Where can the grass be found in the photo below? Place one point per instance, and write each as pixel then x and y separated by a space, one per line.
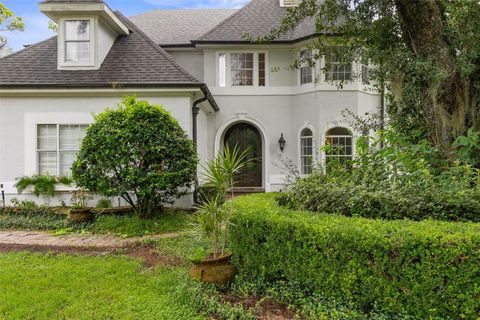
pixel 39 286
pixel 120 225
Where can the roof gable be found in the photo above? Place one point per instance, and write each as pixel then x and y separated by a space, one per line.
pixel 257 19
pixel 133 60
pixel 179 27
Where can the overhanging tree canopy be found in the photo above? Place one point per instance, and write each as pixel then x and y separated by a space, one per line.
pixel 425 52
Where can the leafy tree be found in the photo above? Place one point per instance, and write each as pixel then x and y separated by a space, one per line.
pixel 9 22
pixel 138 152
pixel 426 53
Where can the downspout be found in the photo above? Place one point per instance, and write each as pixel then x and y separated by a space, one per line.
pixel 382 111
pixel 195 111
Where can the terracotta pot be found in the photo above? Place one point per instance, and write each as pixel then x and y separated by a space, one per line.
pixel 214 270
pixel 80 215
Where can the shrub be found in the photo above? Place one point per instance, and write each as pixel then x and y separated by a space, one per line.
pixel 397 181
pixel 137 149
pixel 424 269
pixel 104 204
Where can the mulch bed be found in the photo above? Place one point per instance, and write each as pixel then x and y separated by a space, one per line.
pixel 263 308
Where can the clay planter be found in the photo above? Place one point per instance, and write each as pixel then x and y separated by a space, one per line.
pixel 80 215
pixel 213 270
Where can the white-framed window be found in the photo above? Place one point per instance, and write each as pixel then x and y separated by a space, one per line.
pixel 335 69
pixel 306 70
pixel 365 70
pixel 339 146
pixel 306 151
pixel 57 147
pixel 242 69
pixel 77 40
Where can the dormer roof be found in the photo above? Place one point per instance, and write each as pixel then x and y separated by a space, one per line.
pixel 133 61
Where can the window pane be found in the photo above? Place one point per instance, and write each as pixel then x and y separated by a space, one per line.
pixel 242 69
pixel 77 51
pixel 261 69
pixel 47 163
pixel 47 137
pixel 222 70
pixel 66 161
pixel 71 136
pixel 77 30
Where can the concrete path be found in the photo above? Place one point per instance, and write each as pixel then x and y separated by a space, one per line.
pixel 39 238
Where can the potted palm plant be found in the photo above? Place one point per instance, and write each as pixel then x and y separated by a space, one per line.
pixel 213 215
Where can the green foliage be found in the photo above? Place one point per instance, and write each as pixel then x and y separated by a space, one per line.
pixel 468 147
pixel 137 149
pixel 44 218
pixel 41 184
pixel 426 269
pixel 32 218
pixel 205 300
pixel 9 21
pixel 213 214
pixel 104 204
pixel 23 204
pixel 399 180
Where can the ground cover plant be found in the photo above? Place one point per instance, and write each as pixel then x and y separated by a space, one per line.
pixel 125 225
pixel 422 269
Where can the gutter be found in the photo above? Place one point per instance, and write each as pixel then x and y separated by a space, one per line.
pixel 195 111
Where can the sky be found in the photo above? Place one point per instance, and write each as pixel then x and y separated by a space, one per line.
pixel 36 24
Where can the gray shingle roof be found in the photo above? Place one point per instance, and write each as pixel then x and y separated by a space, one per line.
pixel 257 18
pixel 133 60
pixel 179 27
pixel 70 1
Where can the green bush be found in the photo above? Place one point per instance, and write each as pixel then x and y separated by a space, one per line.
pixel 396 181
pixel 38 218
pixel 426 269
pixel 138 152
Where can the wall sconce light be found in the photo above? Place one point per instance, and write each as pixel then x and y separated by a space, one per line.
pixel 281 143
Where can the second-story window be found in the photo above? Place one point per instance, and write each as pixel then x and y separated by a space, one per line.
pixel 306 70
pixel 241 69
pixel 335 69
pixel 77 41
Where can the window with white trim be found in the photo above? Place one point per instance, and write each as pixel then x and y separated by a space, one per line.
pixel 57 147
pixel 338 146
pixel 335 69
pixel 242 69
pixel 306 69
pixel 77 41
pixel 306 151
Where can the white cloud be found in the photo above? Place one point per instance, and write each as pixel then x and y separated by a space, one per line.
pixel 198 3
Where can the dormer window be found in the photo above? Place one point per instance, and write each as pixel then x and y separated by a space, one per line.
pixel 77 41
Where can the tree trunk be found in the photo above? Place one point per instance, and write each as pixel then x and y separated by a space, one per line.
pixel 448 105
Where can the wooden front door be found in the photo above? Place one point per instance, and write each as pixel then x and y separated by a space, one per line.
pixel 247 138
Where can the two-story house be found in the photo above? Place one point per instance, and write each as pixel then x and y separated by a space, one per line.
pixel 222 88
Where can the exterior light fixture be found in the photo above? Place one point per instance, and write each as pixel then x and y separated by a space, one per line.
pixel 281 143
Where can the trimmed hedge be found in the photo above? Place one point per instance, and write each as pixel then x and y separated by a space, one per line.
pixel 423 269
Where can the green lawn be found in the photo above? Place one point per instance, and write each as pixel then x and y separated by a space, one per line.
pixel 40 286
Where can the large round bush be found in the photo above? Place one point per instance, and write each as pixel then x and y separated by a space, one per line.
pixel 138 152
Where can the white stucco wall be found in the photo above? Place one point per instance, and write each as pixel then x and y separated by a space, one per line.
pixel 20 115
pixel 191 60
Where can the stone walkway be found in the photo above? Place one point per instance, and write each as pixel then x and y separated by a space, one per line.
pixel 45 239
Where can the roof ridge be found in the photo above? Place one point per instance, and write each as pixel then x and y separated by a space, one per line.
pixel 227 19
pixel 158 48
pixel 26 48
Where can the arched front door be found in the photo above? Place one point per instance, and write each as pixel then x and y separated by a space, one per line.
pixel 247 139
